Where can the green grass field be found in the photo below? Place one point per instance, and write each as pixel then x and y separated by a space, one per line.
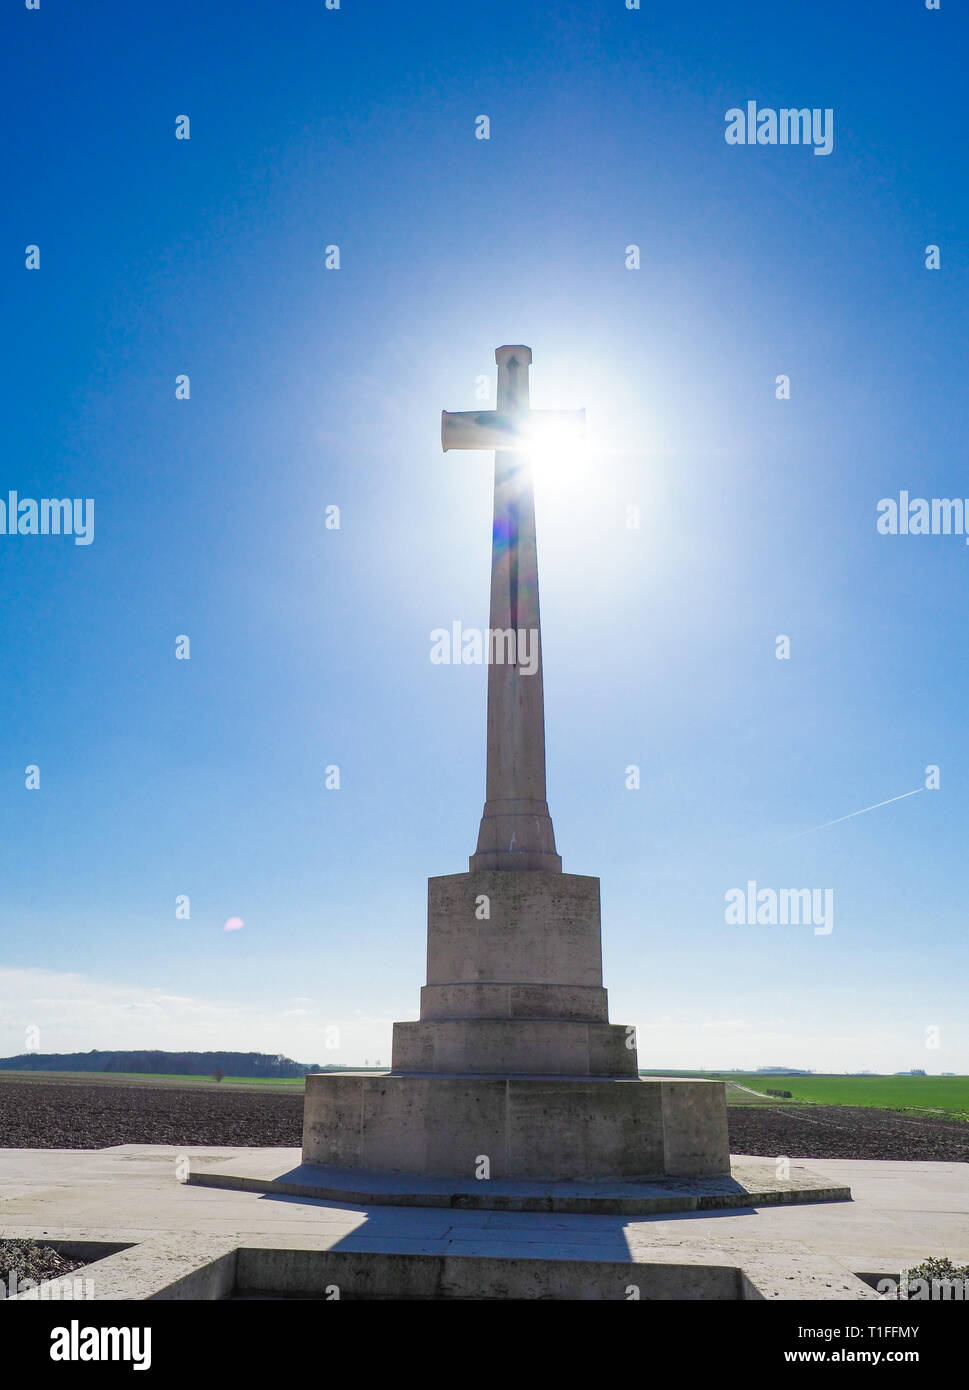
pixel 945 1095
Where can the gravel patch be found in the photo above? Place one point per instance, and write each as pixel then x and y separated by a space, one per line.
pixel 846 1131
pixel 58 1115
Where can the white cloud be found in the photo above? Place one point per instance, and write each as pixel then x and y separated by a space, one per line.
pixel 75 1013
pixel 744 1044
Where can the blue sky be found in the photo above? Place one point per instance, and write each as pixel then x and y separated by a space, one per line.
pixel 311 387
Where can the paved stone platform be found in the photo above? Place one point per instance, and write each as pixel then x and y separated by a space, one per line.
pixel 191 1241
pixel 752 1183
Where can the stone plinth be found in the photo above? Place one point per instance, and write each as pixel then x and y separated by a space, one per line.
pixel 557 1128
pixel 541 928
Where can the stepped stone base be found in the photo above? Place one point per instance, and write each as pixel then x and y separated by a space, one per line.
pixel 542 1127
pixel 513 1059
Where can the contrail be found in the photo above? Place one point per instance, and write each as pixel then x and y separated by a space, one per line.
pixel 850 817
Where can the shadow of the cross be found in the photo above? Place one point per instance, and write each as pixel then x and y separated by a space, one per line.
pixel 408 1216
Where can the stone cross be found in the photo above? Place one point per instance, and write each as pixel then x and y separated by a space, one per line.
pixel 516 828
pixel 513 1058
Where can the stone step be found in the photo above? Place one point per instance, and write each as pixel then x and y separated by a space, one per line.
pixel 492 999
pixel 559 1047
pixel 549 1128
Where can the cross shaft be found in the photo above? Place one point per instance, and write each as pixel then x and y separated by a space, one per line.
pixel 516 828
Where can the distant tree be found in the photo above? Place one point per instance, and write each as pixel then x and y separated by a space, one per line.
pixel 153 1062
pixel 218 1074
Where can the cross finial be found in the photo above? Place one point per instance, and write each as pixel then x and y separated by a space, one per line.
pixel 513 365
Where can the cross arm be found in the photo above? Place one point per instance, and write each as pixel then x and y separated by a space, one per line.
pixel 497 429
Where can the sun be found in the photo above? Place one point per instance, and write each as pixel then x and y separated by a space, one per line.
pixel 558 452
